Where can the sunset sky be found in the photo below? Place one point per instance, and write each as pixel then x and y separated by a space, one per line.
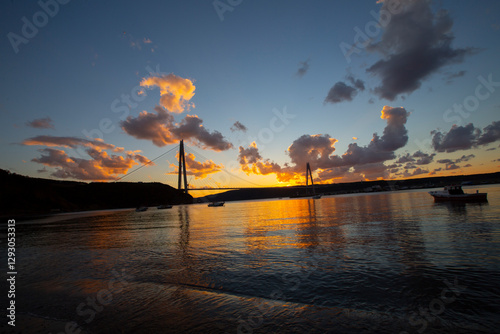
pixel 361 90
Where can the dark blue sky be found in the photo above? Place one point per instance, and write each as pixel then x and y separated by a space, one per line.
pixel 78 77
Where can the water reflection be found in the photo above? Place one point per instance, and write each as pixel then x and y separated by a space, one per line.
pixel 370 254
pixel 183 213
pixel 308 233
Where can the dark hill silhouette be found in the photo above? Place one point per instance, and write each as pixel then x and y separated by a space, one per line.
pixel 23 195
pixel 353 187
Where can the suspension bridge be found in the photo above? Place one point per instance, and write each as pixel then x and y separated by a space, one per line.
pixel 171 168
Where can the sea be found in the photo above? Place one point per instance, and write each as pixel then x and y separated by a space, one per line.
pixel 384 262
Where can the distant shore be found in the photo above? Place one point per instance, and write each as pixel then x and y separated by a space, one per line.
pixel 353 187
pixel 26 198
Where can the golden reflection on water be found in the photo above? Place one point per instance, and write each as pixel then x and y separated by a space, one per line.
pixel 366 252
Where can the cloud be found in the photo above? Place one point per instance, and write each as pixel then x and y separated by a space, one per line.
pixel 395 134
pixel 405 158
pixel 198 169
pixel 417 171
pixel 249 155
pixel 380 148
pixel 252 162
pixel 303 68
pixel 137 43
pixel 465 158
pixel 371 171
pixel 237 126
pixel 423 158
pixel 41 123
pixel 160 128
pixel 458 138
pixel 465 137
pixel 358 162
pixel 491 133
pixel 340 92
pixel 69 142
pixel 191 127
pixel 151 126
pixel 415 44
pixel 175 91
pixel 453 75
pixel 99 166
pixel 419 158
pixel 139 157
pixel 357 83
pixel 335 173
pixel 451 164
pixel 315 149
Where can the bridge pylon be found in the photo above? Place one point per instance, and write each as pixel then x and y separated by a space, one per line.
pixel 182 169
pixel 309 174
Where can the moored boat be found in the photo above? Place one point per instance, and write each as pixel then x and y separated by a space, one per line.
pixel 455 193
pixel 141 208
pixel 164 206
pixel 216 204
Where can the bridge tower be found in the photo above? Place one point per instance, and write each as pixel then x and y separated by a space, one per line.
pixel 182 169
pixel 309 173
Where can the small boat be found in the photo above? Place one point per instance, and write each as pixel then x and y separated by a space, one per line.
pixel 141 208
pixel 455 193
pixel 316 197
pixel 164 206
pixel 216 204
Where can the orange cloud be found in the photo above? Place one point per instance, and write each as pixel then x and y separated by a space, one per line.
pixel 198 169
pixel 251 162
pixel 69 142
pixel 175 91
pixel 101 166
pixel 357 163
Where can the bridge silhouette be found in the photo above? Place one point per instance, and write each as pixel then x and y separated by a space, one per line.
pixel 182 173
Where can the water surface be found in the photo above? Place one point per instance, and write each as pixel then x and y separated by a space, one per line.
pixel 382 262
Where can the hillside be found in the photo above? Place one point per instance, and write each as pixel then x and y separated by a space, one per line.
pixel 26 195
pixel 22 195
pixel 355 187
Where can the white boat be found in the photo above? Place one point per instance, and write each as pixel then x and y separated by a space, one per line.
pixel 216 204
pixel 456 194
